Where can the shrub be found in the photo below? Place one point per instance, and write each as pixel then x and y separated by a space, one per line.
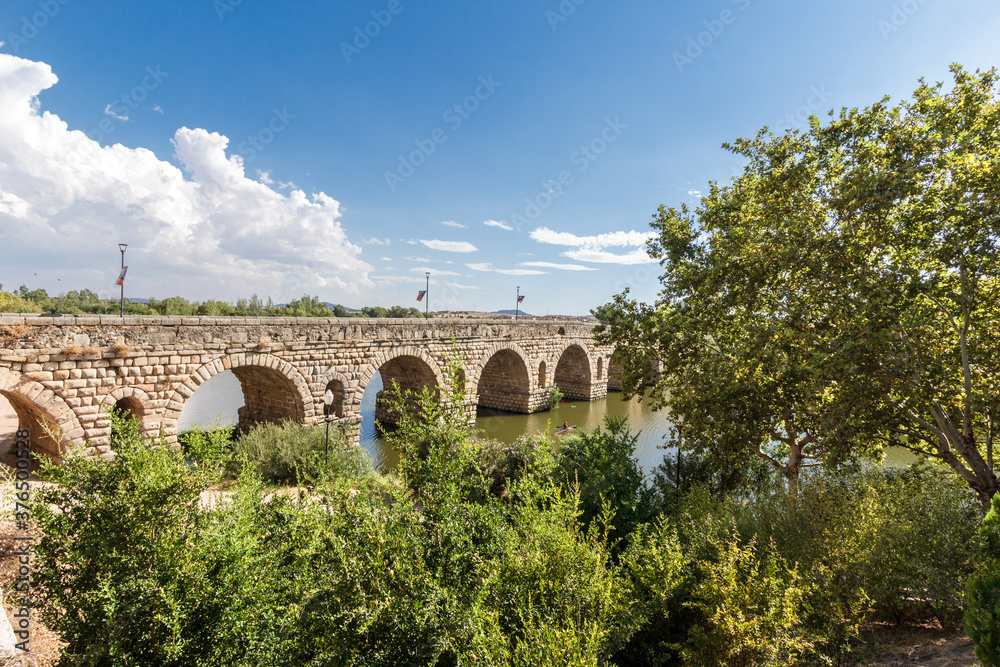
pixel 289 453
pixel 751 606
pixel 502 463
pixel 603 466
pixel 552 401
pixel 982 617
pixel 211 446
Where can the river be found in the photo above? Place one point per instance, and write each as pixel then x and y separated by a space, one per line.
pixel 218 399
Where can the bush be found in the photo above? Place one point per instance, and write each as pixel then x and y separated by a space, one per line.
pixel 603 467
pixel 210 446
pixel 289 453
pixel 552 401
pixel 982 617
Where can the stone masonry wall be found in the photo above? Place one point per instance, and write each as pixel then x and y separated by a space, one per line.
pixel 66 370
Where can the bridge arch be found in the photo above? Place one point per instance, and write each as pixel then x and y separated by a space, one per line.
pixel 50 420
pixel 503 381
pixel 273 390
pixel 573 373
pixel 412 368
pixel 134 403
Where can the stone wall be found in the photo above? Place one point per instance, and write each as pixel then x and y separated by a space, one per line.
pixel 64 371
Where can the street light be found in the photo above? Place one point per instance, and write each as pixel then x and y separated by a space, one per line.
pixel 517 304
pixel 121 279
pixel 327 404
pixel 427 295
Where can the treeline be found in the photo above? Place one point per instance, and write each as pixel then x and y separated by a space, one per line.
pixel 480 552
pixel 86 301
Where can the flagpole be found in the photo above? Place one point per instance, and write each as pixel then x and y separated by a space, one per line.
pixel 427 295
pixel 517 305
pixel 122 246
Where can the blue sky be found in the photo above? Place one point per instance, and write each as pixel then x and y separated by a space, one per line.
pixel 244 146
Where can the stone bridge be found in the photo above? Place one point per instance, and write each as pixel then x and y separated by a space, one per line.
pixel 61 373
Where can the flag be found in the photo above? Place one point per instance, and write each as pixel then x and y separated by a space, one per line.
pixel 520 298
pixel 420 294
pixel 121 276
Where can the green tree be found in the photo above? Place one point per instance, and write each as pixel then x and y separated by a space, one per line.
pixel 841 293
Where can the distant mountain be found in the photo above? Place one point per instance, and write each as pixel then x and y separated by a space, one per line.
pixel 512 312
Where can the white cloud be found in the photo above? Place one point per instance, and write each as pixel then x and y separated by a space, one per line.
pixel 376 241
pixel 564 267
pixel 480 266
pixel 452 223
pixel 461 286
pixel 385 259
pixel 498 223
pixel 694 193
pixel 521 272
pixel 158 110
pixel 449 246
pixel 203 230
pixel 433 272
pixel 603 257
pixel 632 238
pixel 109 112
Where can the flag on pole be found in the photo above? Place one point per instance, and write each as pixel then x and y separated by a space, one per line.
pixel 121 276
pixel 520 298
pixel 420 294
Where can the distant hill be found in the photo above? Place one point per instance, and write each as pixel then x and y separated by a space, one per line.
pixel 512 312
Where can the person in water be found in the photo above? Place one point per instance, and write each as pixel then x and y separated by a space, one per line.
pixel 565 425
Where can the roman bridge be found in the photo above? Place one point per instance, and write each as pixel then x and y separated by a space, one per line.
pixel 61 373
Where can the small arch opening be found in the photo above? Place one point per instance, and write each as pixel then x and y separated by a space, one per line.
pixel 541 375
pixel 335 387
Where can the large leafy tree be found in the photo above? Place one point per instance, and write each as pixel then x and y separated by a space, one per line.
pixel 840 294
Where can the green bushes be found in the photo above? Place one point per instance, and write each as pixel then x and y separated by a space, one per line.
pixel 552 400
pixel 210 446
pixel 285 453
pixel 483 553
pixel 982 618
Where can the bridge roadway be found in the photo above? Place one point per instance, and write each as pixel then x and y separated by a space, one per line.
pixel 61 373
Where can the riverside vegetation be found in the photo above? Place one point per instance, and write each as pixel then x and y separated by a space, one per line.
pixel 478 552
pixel 86 301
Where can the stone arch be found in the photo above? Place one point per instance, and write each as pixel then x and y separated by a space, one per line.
pixel 133 402
pixel 52 424
pixel 615 371
pixel 541 375
pixel 412 368
pixel 504 382
pixel 573 373
pixel 273 390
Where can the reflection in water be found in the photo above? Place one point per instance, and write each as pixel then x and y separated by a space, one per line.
pixel 220 397
pixel 508 427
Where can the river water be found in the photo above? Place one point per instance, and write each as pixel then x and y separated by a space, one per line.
pixel 218 399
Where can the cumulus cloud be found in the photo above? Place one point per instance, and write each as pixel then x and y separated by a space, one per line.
pixel 452 223
pixel 449 246
pixel 563 267
pixel 592 248
pixel 498 223
pixel 203 230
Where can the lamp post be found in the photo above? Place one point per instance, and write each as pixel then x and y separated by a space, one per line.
pixel 427 295
pixel 327 404
pixel 517 303
pixel 121 280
